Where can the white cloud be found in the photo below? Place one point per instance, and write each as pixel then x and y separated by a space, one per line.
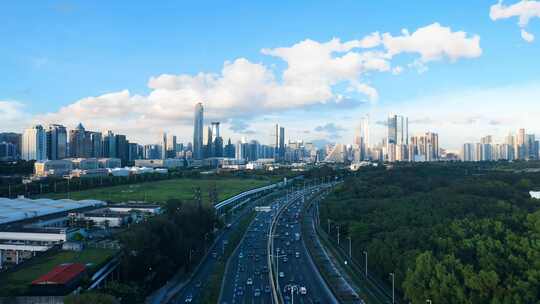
pixel 13 115
pixel 527 36
pixel 243 89
pixel 434 42
pixel 525 10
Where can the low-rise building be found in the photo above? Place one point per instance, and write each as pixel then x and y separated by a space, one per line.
pixel 169 163
pixel 56 168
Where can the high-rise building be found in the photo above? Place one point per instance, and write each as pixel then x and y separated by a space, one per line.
pixel 397 134
pixel 171 146
pixel 361 139
pixel 56 142
pixel 34 144
pixel 122 148
pixel 109 145
pixel 281 143
pixel 468 153
pixel 198 132
pixel 15 139
pixel 164 145
pixel 97 144
pixel 80 143
pixel 8 151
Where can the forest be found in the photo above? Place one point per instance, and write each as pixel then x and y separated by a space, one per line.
pixel 451 233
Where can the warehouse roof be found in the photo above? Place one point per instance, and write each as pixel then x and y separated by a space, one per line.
pixel 12 210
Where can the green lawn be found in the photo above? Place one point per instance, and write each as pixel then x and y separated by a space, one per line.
pixel 17 282
pixel 160 191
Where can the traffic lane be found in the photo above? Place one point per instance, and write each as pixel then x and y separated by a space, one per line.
pixel 236 288
pixel 300 271
pixel 193 289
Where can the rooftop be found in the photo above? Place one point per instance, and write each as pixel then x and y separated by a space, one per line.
pixel 12 210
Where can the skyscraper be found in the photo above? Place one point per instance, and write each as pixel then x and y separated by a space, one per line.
pixel 171 146
pixel 80 142
pixel 109 145
pixel 56 142
pixel 398 135
pixel 97 144
pixel 34 144
pixel 198 132
pixel 361 138
pixel 281 143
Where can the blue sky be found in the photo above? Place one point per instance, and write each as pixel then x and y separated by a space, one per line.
pixel 55 53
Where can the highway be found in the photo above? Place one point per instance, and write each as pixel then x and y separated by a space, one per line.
pixel 298 278
pixel 246 277
pixel 194 288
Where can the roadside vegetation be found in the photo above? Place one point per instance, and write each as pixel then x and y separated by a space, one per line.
pixel 451 233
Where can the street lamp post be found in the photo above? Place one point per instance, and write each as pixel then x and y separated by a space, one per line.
pixel 338 235
pixel 365 254
pixel 393 294
pixel 350 247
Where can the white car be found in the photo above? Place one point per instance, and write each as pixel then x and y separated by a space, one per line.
pixel 249 281
pixel 281 274
pixel 303 290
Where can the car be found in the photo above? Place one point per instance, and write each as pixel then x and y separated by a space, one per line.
pixel 257 292
pixel 281 274
pixel 198 284
pixel 214 254
pixel 189 299
pixel 303 290
pixel 241 255
pixel 240 291
pixel 285 260
pixel 242 269
pixel 249 281
pixel 257 271
pixel 267 289
pixel 297 254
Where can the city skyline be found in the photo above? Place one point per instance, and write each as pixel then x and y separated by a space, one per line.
pixel 318 81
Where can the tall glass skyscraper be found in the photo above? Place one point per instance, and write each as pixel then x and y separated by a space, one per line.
pixel 34 144
pixel 198 132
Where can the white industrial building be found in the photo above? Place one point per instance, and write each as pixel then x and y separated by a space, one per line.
pixel 28 226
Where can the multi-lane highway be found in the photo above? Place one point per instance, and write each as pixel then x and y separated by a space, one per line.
pixel 297 277
pixel 246 275
pixel 193 290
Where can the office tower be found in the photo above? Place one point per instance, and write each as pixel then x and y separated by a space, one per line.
pixel 276 146
pixel 520 149
pixel 478 152
pixel 34 144
pixel 361 139
pixel 198 132
pixel 229 150
pixel 468 153
pixel 109 145
pixel 8 151
pixel 530 147
pixel 122 148
pixel 397 134
pixel 209 150
pixel 281 143
pixel 152 152
pixel 163 145
pixel 80 142
pixel 97 144
pixel 13 138
pixel 217 141
pixel 133 151
pixel 56 142
pixel 171 146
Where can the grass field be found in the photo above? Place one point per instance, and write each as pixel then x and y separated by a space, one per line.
pixel 17 282
pixel 160 191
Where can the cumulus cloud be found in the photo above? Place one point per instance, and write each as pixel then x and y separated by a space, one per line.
pixel 434 42
pixel 316 73
pixel 525 10
pixel 13 115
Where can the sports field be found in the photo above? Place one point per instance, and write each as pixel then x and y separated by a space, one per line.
pixel 17 282
pixel 161 191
